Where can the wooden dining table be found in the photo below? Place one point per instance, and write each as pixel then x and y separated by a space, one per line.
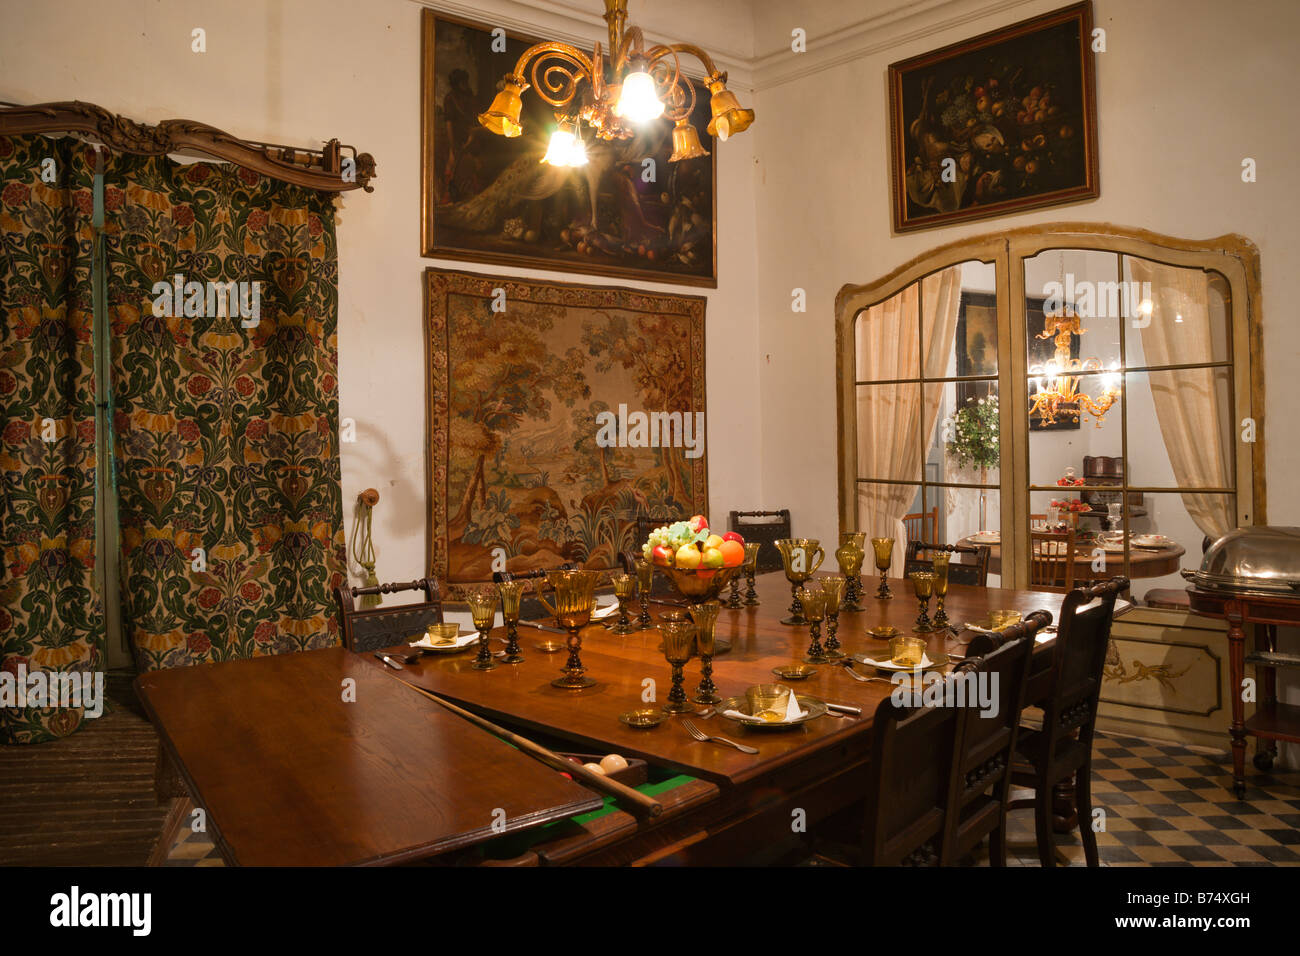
pixel 720 805
pixel 1143 562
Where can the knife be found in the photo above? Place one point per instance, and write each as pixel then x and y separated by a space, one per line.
pixel 843 709
pixel 389 661
pixel 543 627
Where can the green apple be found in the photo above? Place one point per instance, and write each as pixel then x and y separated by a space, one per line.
pixel 688 557
pixel 712 541
pixel 712 558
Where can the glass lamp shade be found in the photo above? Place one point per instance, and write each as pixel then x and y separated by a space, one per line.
pixel 686 142
pixel 502 117
pixel 728 117
pixel 565 149
pixel 638 102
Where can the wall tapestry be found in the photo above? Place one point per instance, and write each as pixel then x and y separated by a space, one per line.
pixel 542 438
pixel 487 198
pixel 1000 123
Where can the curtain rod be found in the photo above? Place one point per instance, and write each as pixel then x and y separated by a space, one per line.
pixel 328 169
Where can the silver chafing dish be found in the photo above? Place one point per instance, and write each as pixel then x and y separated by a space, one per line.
pixel 1259 560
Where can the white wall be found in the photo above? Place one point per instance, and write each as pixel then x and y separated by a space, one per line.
pixel 301 71
pixel 1186 89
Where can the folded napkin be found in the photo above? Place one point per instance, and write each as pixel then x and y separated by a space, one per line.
pixel 792 712
pixel 461 641
pixel 889 664
pixel 604 611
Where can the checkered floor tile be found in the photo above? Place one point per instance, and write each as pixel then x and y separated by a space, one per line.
pixel 1164 806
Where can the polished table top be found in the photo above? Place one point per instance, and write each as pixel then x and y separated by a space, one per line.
pixel 289 773
pixel 1143 562
pixel 521 694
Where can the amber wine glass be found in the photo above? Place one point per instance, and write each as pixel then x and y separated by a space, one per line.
pixel 706 619
pixel 511 593
pixel 884 548
pixel 679 641
pixel 624 588
pixel 645 573
pixel 751 569
pixel 941 562
pixel 813 599
pixel 923 584
pixel 483 609
pixel 574 599
pixel 833 587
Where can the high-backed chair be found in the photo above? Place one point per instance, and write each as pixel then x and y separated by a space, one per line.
pixel 975 572
pixel 922 525
pixel 764 528
pixel 907 797
pixel 1063 748
pixel 987 729
pixel 1051 561
pixel 373 628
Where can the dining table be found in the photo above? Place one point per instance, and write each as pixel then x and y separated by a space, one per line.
pixel 1143 562
pixel 246 756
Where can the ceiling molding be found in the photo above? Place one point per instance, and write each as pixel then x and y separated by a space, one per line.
pixel 903 24
pixel 582 23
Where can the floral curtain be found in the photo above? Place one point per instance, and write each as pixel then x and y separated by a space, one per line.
pixel 226 424
pixel 50 613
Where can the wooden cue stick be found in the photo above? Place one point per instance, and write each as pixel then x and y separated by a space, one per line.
pixel 597 780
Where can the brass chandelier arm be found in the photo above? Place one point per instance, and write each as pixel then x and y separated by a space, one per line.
pixel 662 50
pixel 553 49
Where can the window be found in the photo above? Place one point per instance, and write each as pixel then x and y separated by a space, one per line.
pixel 1096 379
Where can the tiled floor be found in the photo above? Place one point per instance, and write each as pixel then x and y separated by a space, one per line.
pixel 1164 806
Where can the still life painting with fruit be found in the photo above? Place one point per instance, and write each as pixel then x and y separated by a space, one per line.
pixel 1002 122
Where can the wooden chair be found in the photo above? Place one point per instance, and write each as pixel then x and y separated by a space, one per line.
pixel 975 572
pixel 1051 561
pixel 373 628
pixel 923 525
pixel 986 739
pixel 1063 748
pixel 763 527
pixel 907 797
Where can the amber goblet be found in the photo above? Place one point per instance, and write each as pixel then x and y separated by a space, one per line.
pixel 482 603
pixel 624 588
pixel 574 599
pixel 797 560
pixel 850 561
pixel 705 617
pixel 833 587
pixel 941 562
pixel 923 584
pixel 884 548
pixel 751 569
pixel 679 641
pixel 813 599
pixel 511 591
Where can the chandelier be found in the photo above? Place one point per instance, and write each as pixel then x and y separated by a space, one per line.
pixel 1057 397
pixel 637 85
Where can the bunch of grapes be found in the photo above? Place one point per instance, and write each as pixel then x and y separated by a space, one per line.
pixel 671 536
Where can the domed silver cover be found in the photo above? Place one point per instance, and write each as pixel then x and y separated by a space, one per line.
pixel 1264 560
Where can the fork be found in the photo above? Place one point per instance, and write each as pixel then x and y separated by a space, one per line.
pixel 848 669
pixel 701 736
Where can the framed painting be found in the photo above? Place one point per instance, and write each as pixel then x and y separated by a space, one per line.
pixel 997 124
pixel 628 212
pixel 558 414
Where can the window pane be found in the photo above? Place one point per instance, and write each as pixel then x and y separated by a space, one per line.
pixel 1059 442
pixel 1074 304
pixel 1186 321
pixel 965 444
pixel 959 334
pixel 881 508
pixel 1172 522
pixel 889 432
pixel 887 339
pixel 1180 428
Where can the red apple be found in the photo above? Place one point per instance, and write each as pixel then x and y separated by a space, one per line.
pixel 732 536
pixel 698 523
pixel 661 556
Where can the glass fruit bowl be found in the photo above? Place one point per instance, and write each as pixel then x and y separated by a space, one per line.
pixel 698 585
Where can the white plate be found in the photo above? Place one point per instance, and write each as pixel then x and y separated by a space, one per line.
pixel 462 641
pixel 888 665
pixel 986 537
pixel 1151 541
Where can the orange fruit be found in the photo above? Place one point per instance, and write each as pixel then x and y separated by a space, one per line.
pixel 733 553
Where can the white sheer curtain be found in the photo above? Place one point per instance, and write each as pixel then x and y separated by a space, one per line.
pixel 896 422
pixel 1189 405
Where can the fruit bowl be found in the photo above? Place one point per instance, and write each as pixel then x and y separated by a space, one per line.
pixel 698 585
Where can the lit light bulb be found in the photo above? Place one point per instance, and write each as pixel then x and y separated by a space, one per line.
pixel 638 101
pixel 561 149
pixel 578 152
pixel 1178 318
